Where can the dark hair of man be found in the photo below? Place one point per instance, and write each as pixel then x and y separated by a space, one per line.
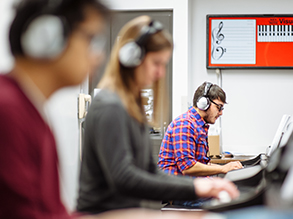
pixel 215 93
pixel 71 10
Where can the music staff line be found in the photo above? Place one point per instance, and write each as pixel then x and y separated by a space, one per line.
pixel 230 38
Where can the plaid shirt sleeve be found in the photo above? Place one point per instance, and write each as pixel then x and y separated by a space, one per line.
pixel 184 145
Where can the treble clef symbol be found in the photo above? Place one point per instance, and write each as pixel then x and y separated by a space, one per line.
pixel 218 37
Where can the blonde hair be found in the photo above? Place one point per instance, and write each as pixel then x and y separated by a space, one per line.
pixel 120 79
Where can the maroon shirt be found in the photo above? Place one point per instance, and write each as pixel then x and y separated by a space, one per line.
pixel 29 181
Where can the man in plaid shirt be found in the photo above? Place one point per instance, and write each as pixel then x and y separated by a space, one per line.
pixel 185 145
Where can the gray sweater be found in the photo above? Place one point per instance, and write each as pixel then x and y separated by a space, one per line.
pixel 117 169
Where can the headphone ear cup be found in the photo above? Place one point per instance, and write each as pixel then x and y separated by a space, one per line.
pixel 131 54
pixel 203 103
pixel 44 38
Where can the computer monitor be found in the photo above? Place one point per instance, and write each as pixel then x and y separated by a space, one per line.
pixel 285 121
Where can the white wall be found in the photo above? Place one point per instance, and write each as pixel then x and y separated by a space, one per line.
pixel 257 98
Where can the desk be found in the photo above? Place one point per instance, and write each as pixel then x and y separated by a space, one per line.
pixel 225 160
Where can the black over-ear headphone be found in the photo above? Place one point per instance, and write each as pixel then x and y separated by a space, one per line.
pixel 203 102
pixel 132 53
pixel 44 35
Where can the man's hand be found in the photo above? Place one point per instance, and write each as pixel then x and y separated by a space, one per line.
pixel 231 166
pixel 211 187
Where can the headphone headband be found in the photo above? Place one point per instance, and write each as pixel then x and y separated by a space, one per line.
pixel 146 31
pixel 207 89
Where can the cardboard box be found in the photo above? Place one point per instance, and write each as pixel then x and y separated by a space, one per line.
pixel 214 145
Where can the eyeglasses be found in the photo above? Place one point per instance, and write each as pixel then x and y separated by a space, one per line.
pixel 97 42
pixel 220 107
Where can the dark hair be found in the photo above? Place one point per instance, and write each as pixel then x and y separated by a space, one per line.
pixel 215 92
pixel 71 10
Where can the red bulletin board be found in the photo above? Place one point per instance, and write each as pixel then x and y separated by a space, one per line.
pixel 249 41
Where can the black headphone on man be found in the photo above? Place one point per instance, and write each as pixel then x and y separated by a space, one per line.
pixel 203 102
pixel 45 34
pixel 132 53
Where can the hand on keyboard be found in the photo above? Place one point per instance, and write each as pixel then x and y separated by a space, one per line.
pixel 212 187
pixel 231 166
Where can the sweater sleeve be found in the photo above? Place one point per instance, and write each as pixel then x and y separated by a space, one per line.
pixel 114 151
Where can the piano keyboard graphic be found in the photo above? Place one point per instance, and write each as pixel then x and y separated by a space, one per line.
pixel 275 33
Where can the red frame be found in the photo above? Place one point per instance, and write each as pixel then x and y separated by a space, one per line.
pixel 268 54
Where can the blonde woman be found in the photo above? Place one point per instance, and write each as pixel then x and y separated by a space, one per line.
pixel 117 169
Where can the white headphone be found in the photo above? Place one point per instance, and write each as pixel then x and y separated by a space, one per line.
pixel 44 35
pixel 203 102
pixel 132 53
